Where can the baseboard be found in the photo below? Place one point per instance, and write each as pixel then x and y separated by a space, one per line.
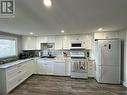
pixel 125 84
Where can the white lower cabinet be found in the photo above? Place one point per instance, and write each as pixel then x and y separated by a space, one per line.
pixel 45 67
pixel 91 68
pixel 59 68
pixel 11 77
pixel 68 67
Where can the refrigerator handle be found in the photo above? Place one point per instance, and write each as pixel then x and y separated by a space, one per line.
pixel 109 46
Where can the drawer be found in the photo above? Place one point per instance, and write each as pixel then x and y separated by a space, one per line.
pixel 12 83
pixel 11 71
pixel 90 65
pixel 13 74
pixel 90 69
pixel 15 70
pixel 22 66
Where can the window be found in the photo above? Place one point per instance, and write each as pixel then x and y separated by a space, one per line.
pixel 7 48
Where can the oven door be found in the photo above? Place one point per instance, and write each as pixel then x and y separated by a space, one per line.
pixel 79 66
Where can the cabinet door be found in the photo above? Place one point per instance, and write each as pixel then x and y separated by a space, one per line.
pixel 49 68
pixel 91 69
pixel 76 38
pixel 45 67
pixel 68 67
pixel 44 39
pixel 66 42
pixel 32 66
pixel 51 39
pixel 29 43
pixel 59 68
pixel 58 42
pixel 41 67
pixel 38 43
pixel 87 41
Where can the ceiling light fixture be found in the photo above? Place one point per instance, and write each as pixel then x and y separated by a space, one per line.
pixel 62 31
pixel 31 33
pixel 100 29
pixel 47 3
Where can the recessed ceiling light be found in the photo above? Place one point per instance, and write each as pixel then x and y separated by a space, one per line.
pixel 100 29
pixel 47 3
pixel 62 31
pixel 31 33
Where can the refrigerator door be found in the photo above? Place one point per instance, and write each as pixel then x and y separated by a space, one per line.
pixel 110 74
pixel 109 54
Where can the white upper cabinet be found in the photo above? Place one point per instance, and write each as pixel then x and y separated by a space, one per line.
pixel 58 42
pixel 38 43
pixel 51 39
pixel 106 35
pixel 87 41
pixel 45 39
pixel 61 42
pixel 76 38
pixel 66 42
pixel 28 43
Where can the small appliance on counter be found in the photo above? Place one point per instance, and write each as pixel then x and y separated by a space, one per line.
pixel 23 55
pixel 26 54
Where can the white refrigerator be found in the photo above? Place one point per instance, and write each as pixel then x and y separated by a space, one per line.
pixel 108 61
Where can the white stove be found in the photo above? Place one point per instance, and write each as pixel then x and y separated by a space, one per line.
pixel 79 65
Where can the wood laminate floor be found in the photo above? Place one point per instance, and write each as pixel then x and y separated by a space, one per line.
pixel 51 85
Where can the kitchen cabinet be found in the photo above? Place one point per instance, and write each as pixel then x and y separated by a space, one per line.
pixel 14 75
pixel 44 39
pixel 53 67
pixel 58 42
pixel 62 42
pixel 76 37
pixel 66 42
pixel 91 68
pixel 45 67
pixel 87 41
pixel 106 35
pixel 51 39
pixel 28 43
pixel 59 68
pixel 68 67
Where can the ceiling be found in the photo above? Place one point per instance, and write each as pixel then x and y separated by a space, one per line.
pixel 73 16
